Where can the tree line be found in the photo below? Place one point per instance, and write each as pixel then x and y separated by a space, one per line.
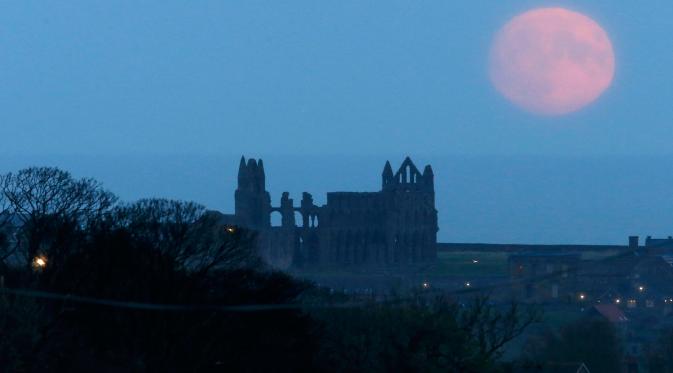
pixel 72 237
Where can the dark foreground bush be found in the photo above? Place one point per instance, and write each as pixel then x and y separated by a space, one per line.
pixel 149 286
pixel 74 336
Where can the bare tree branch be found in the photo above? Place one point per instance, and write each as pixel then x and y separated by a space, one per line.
pixel 35 198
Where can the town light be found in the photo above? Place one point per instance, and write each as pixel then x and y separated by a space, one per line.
pixel 641 288
pixel 582 296
pixel 231 229
pixel 467 284
pixel 475 261
pixel 426 285
pixel 39 262
pixel 618 301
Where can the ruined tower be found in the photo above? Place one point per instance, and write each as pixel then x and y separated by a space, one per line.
pixel 252 201
pixel 411 218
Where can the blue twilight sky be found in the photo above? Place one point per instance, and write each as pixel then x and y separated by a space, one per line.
pixel 85 80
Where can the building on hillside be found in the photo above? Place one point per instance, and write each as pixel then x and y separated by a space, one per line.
pixel 544 276
pixel 659 242
pixel 609 312
pixel 636 278
pixel 394 227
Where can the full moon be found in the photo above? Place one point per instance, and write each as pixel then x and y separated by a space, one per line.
pixel 552 61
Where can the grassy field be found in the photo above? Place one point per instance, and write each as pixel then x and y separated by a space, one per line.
pixel 598 255
pixel 489 263
pixel 463 263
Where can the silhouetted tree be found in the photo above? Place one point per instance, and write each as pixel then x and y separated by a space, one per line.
pixel 122 262
pixel 163 222
pixel 592 341
pixel 6 228
pixel 437 336
pixel 195 238
pixel 40 201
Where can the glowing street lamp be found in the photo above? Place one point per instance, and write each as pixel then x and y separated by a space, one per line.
pixel 39 262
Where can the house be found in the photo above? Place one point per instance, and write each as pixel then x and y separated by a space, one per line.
pixel 544 276
pixel 609 312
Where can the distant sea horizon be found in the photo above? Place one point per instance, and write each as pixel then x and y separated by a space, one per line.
pixel 525 199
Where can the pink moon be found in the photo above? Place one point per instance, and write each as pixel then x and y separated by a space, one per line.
pixel 552 61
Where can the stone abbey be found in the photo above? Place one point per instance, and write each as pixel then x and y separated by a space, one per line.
pixel 395 227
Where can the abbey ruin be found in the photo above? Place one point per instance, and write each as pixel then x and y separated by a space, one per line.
pixel 394 227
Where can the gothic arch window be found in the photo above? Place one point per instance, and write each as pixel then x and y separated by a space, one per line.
pixel 276 218
pixel 314 220
pixel 298 219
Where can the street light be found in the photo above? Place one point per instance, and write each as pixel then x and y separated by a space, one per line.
pixel 39 262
